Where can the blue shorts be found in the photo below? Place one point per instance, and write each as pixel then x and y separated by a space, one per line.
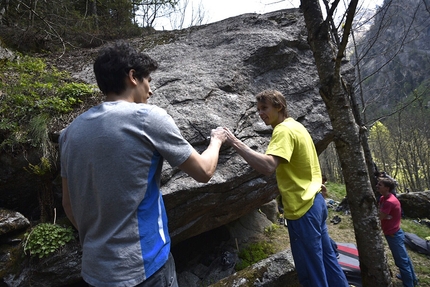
pixel 164 277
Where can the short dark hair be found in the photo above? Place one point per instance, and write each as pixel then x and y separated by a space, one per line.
pixel 115 61
pixel 275 98
pixel 388 182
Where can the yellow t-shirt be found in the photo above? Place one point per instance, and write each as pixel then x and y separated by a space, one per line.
pixel 299 174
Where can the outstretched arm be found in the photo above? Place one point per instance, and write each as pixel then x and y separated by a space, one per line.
pixel 263 163
pixel 201 167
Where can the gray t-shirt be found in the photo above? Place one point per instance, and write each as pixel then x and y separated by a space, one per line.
pixel 112 157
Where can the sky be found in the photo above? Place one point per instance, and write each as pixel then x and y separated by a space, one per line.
pixel 216 10
pixel 222 9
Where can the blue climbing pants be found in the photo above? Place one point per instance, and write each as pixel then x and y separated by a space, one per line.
pixel 314 258
pixel 396 242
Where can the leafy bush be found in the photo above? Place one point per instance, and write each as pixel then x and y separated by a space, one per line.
pixel 30 89
pixel 271 229
pixel 46 238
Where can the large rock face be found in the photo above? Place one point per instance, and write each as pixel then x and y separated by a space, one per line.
pixel 208 77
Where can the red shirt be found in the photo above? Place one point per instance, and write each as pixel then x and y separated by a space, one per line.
pixel 390 205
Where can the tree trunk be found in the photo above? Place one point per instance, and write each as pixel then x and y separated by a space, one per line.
pixel 361 199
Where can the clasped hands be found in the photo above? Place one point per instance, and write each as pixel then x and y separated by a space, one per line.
pixel 224 135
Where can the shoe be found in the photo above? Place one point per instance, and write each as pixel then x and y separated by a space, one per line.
pixel 398 276
pixel 336 220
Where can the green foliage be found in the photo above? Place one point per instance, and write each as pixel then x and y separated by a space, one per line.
pixel 402 147
pixel 380 142
pixel 39 26
pixel 33 93
pixel 253 253
pixel 46 238
pixel 379 130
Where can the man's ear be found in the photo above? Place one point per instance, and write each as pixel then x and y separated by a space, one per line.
pixel 131 77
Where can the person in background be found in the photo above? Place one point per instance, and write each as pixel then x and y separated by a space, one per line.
pixel 390 215
pixel 291 154
pixel 111 162
pixel 384 174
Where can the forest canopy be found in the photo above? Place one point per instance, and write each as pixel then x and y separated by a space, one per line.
pixel 29 25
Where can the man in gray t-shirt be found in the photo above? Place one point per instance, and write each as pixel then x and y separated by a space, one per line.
pixel 111 160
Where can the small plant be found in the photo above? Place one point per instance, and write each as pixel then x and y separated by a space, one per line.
pixel 46 238
pixel 254 253
pixel 270 230
pixel 39 169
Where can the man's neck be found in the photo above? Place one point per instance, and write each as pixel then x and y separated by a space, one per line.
pixel 122 97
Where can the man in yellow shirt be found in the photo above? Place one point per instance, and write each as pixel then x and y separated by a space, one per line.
pixel 291 153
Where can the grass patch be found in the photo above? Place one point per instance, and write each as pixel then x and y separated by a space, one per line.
pixel 253 253
pixel 336 191
pixel 413 226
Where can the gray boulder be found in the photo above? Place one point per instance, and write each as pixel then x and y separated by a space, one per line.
pixel 4 52
pixel 277 270
pixel 12 226
pixel 63 268
pixel 11 222
pixel 415 204
pixel 208 77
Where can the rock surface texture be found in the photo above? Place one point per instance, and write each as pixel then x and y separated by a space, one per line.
pixel 277 270
pixel 415 204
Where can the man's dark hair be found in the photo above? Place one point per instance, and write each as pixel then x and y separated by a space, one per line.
pixel 115 61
